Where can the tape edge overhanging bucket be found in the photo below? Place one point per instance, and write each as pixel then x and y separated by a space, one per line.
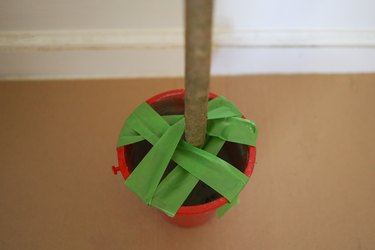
pixel 196 209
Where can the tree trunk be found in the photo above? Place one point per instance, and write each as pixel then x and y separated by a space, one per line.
pixel 198 23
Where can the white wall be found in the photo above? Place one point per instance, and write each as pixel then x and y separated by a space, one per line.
pixel 113 38
pixel 297 14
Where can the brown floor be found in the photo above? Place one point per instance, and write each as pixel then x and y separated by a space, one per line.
pixel 313 186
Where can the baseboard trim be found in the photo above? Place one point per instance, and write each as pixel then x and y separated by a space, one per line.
pixel 173 38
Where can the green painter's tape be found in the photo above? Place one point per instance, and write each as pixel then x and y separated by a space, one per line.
pixel 233 129
pixel 225 208
pixel 215 172
pixel 176 187
pixel 146 177
pixel 194 164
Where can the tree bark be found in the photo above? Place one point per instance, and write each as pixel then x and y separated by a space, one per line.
pixel 198 23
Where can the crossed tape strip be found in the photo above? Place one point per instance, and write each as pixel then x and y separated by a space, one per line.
pixel 193 164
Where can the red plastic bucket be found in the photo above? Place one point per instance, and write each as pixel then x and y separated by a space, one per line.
pixel 186 216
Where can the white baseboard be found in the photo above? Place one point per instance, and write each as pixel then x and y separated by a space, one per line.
pixel 173 38
pixel 159 53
